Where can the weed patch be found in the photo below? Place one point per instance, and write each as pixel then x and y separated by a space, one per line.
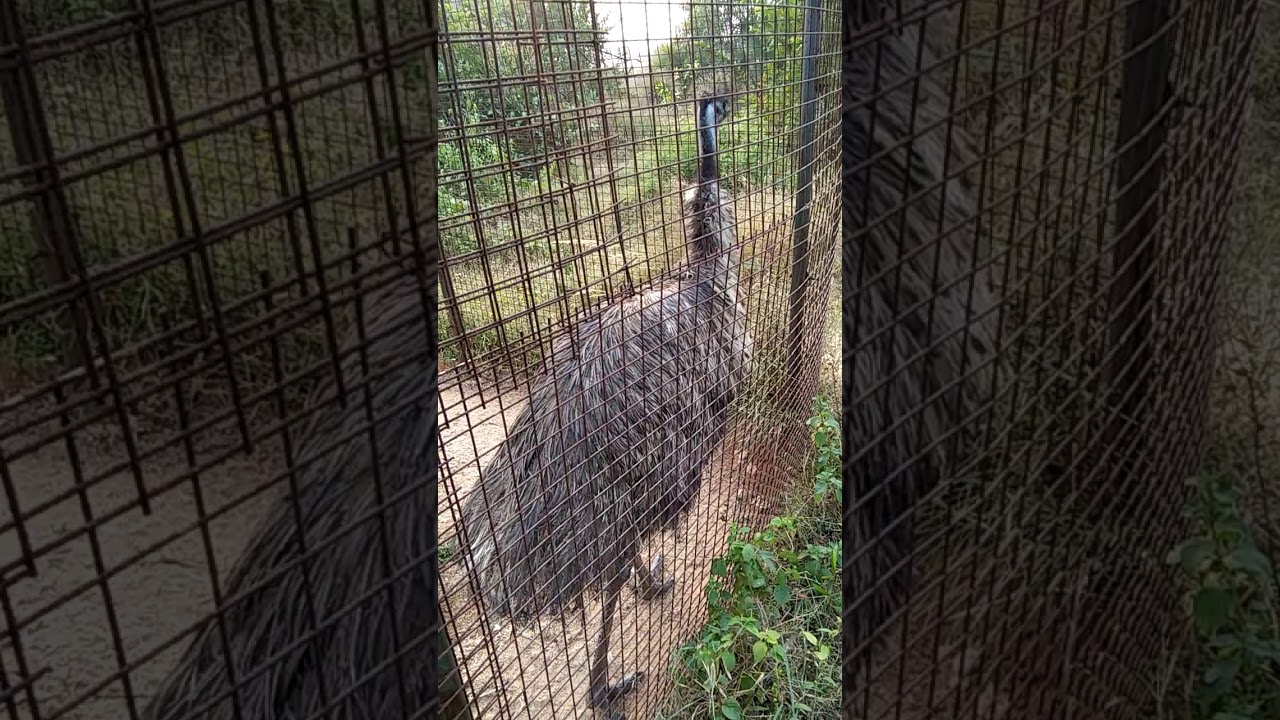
pixel 1232 609
pixel 771 646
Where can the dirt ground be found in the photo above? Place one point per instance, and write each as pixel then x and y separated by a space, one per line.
pixel 159 579
pixel 65 629
pixel 541 671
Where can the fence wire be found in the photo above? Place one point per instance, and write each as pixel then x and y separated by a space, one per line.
pixel 594 409
pixel 1035 214
pixel 217 326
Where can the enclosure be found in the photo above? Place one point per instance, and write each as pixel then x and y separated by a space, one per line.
pixel 567 139
pixel 1097 144
pixel 204 206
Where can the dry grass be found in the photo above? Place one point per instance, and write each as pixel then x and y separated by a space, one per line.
pixel 509 310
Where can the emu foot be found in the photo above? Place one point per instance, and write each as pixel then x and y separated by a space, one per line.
pixel 648 582
pixel 604 699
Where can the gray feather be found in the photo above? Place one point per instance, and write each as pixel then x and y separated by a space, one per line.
pixel 918 328
pixel 618 427
pixel 339 506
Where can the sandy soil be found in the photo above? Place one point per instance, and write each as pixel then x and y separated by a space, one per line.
pixel 541 671
pixel 159 578
pixel 64 618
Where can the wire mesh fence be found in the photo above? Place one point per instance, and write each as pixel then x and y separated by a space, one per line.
pixel 217 327
pixel 638 227
pixel 1035 214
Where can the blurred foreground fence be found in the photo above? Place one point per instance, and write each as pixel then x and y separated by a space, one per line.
pixel 1012 563
pixel 197 203
pixel 567 139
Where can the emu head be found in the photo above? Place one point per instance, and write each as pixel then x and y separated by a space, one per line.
pixel 712 110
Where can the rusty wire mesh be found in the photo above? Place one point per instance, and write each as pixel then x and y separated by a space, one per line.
pixel 200 206
pixel 1023 575
pixel 567 139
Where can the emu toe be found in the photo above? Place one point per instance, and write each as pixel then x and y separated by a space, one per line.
pixel 606 700
pixel 648 583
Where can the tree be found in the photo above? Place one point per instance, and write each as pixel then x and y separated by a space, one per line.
pixel 753 47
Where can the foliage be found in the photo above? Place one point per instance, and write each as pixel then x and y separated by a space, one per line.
pixel 296 18
pixel 771 646
pixel 497 133
pixel 748 46
pixel 119 207
pixel 753 49
pixel 826 443
pixel 509 139
pixel 565 45
pixel 1231 600
pixel 532 179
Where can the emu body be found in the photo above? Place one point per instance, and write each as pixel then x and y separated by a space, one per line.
pixel 917 320
pixel 302 635
pixel 617 430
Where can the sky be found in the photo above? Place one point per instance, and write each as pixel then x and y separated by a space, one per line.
pixel 630 22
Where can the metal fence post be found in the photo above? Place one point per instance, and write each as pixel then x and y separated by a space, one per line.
pixel 1140 141
pixel 804 189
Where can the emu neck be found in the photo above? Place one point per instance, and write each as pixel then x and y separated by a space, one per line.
pixel 720 270
pixel 708 166
pixel 713 250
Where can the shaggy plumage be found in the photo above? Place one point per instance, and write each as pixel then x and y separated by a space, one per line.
pixel 917 327
pixel 278 677
pixel 616 432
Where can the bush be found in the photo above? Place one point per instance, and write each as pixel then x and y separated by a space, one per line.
pixel 771 646
pixel 1233 613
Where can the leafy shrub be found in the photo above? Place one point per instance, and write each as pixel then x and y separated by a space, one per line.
pixel 771 646
pixel 1231 600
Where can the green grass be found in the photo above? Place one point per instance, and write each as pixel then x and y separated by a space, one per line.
pixel 123 213
pixel 771 645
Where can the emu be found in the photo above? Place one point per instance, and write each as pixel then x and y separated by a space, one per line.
pixel 296 636
pixel 917 314
pixel 617 429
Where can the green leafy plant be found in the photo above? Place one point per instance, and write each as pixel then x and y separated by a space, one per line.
pixel 1231 600
pixel 826 442
pixel 771 646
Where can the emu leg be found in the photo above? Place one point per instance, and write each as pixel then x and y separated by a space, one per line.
pixel 603 695
pixel 648 582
